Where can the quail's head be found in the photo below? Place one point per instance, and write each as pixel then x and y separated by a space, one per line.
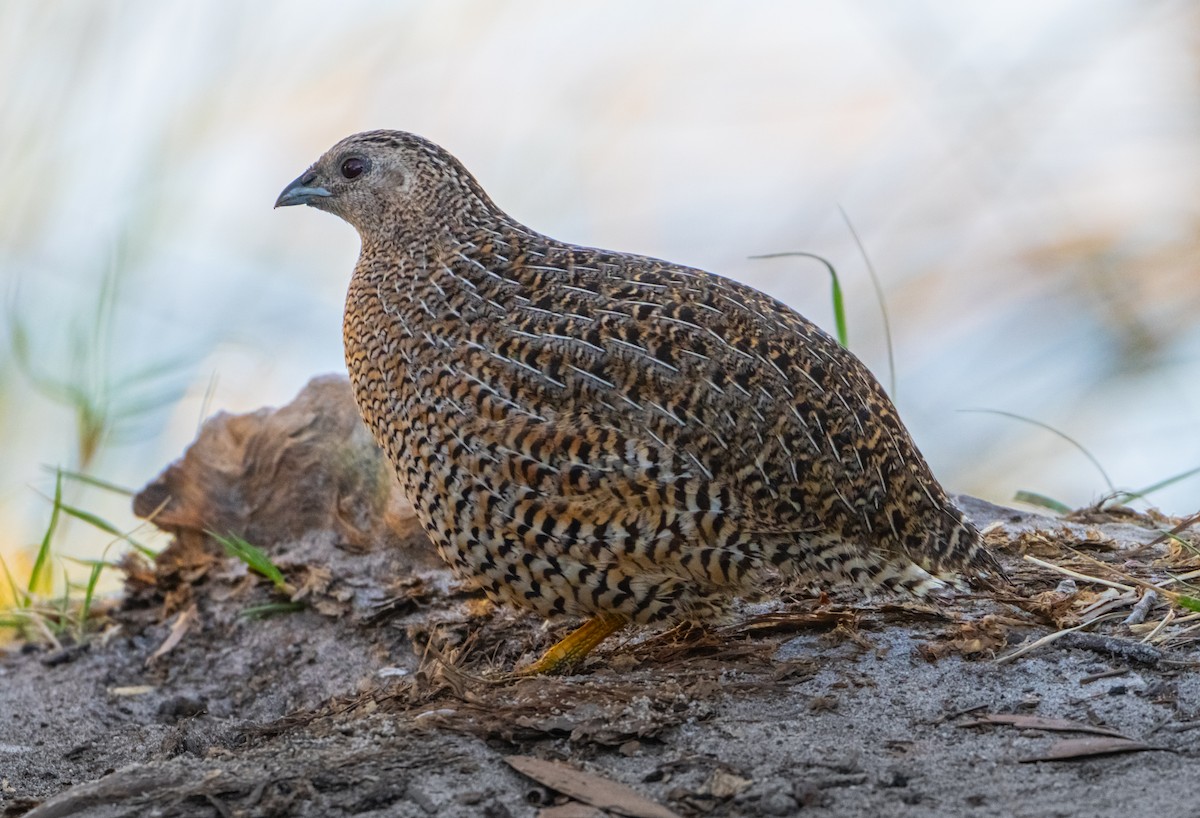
pixel 388 181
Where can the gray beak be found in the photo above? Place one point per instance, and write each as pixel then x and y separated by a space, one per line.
pixel 302 191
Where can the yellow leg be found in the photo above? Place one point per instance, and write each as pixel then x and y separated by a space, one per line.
pixel 570 650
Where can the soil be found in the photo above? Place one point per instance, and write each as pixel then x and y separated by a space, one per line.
pixel 367 682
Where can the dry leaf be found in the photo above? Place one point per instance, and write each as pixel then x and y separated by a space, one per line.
pixel 1040 723
pixel 985 636
pixel 1073 748
pixel 726 785
pixel 182 623
pixel 602 793
pixel 330 608
pixel 317 579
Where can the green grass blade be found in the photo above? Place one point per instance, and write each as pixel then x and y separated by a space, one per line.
pixel 254 557
pixel 90 563
pixel 40 564
pixel 23 355
pixel 1189 602
pixel 17 595
pixel 1111 488
pixel 146 551
pixel 1161 484
pixel 839 310
pixel 92 520
pixel 839 303
pixel 1032 498
pixel 64 602
pixel 89 593
pixel 887 321
pixel 132 409
pixel 105 526
pixel 153 372
pixel 80 477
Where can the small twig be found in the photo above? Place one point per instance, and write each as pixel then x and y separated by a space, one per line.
pixel 1048 638
pixel 455 677
pixel 1132 652
pixel 1178 620
pixel 182 623
pixel 1104 674
pixel 1060 569
pixel 1142 608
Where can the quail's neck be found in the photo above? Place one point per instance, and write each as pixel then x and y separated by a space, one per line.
pixel 459 271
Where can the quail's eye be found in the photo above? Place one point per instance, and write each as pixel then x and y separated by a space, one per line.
pixel 353 167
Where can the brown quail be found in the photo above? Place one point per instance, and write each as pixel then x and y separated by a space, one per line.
pixel 612 436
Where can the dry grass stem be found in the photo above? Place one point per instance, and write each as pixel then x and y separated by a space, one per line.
pixel 1166 620
pixel 1076 574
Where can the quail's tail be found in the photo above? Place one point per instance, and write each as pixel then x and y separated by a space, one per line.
pixel 954 549
pixel 943 550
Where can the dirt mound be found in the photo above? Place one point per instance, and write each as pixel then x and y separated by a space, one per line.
pixel 365 681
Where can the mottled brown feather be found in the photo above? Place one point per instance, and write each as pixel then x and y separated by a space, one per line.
pixel 585 431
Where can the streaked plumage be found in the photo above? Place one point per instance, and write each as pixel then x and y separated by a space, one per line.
pixel 589 432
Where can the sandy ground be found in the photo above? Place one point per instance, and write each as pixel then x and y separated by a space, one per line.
pixel 183 704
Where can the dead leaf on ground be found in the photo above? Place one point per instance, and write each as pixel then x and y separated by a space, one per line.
pixel 1040 723
pixel 182 623
pixel 796 670
pixel 599 792
pixel 317 579
pixel 1073 748
pixel 1054 606
pixel 986 636
pixel 847 631
pixel 724 784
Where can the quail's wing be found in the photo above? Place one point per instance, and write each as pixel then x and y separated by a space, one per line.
pixel 687 388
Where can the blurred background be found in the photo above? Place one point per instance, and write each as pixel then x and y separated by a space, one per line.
pixel 1023 176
